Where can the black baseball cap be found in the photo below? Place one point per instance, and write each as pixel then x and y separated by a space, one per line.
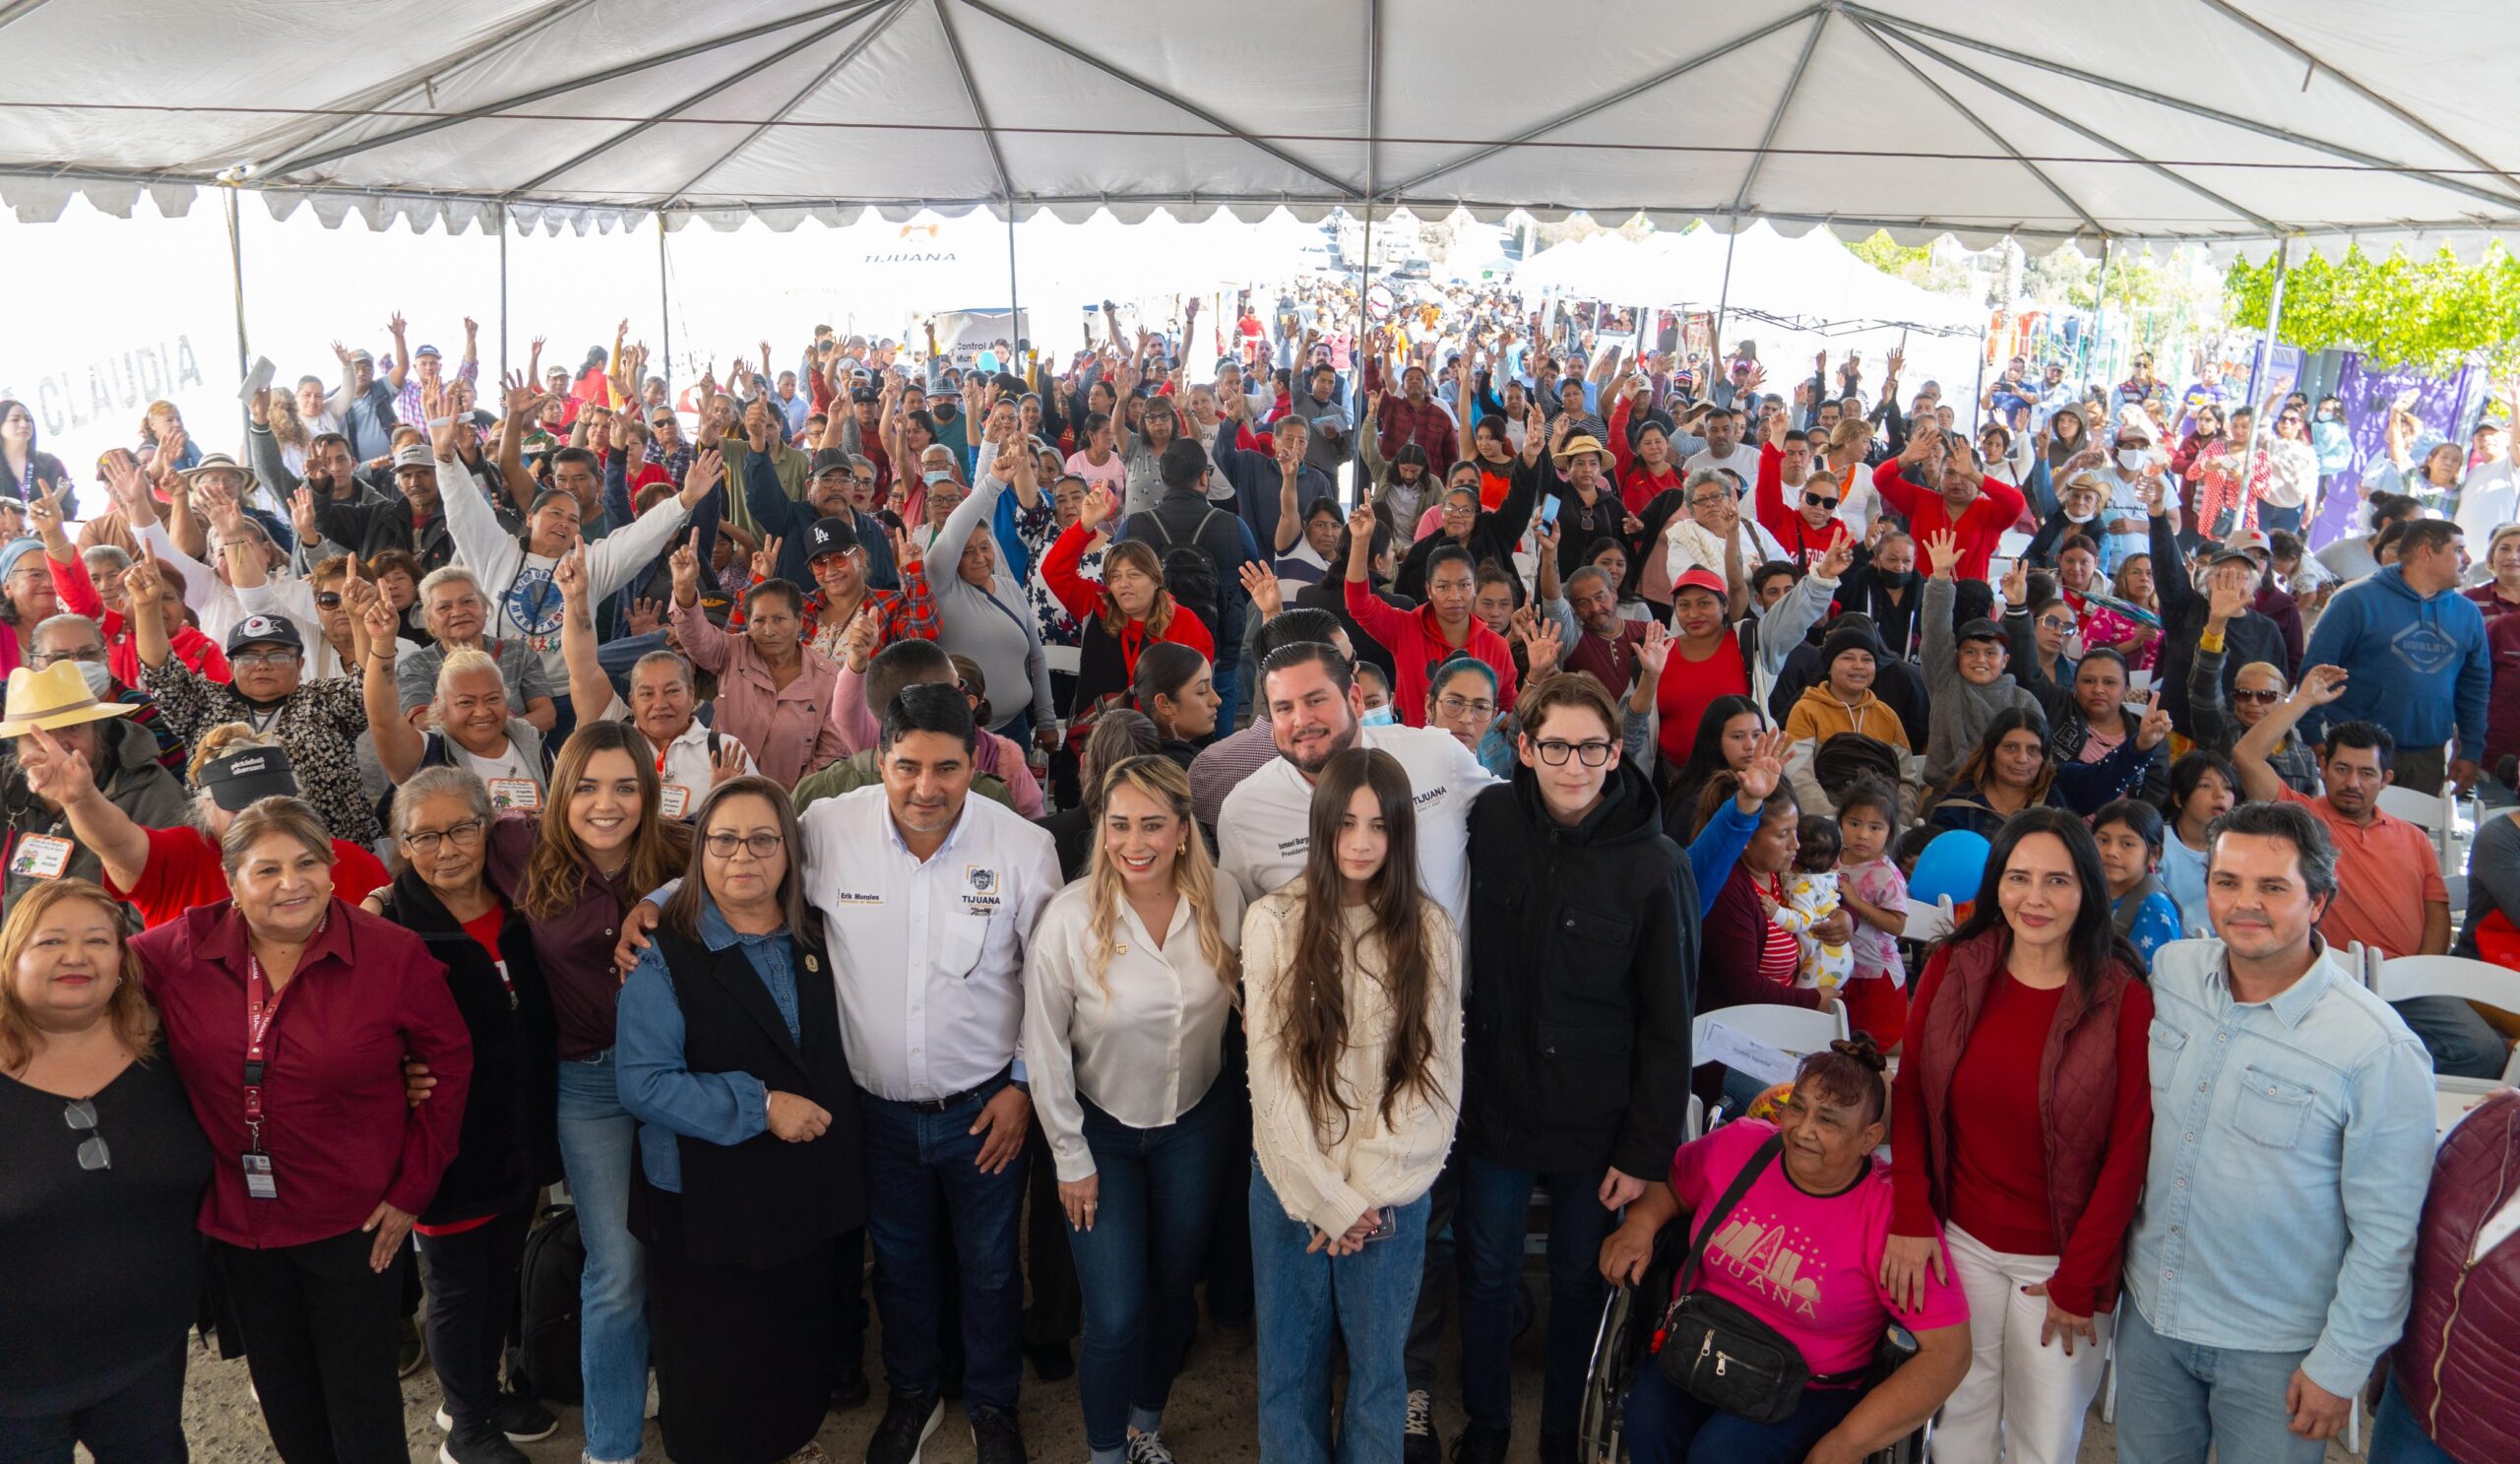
pixel 832 535
pixel 832 460
pixel 1979 629
pixel 243 777
pixel 273 630
pixel 865 393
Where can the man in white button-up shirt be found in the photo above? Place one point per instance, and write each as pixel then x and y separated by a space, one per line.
pixel 929 896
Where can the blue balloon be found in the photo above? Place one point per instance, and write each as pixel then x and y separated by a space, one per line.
pixel 1953 865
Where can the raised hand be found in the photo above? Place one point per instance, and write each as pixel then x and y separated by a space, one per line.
pixel 906 551
pixel 383 625
pixel 685 566
pixel 1840 555
pixel 141 582
pixel 1655 651
pixel 1543 647
pixel 569 577
pixel 765 560
pixel 395 325
pixel 2225 602
pixel 57 774
pixel 518 394
pixel 2321 684
pixel 729 762
pixel 646 616
pixel 1766 767
pixel 857 638
pixel 1262 587
pixel 2156 727
pixel 2017 583
pixel 1942 547
pixel 301 516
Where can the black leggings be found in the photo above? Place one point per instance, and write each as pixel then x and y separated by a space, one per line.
pixel 472 1285
pixel 141 1423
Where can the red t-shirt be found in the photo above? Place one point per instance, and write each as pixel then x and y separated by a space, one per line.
pixel 1998 1149
pixel 484 929
pixel 183 873
pixel 1688 687
pixel 1981 526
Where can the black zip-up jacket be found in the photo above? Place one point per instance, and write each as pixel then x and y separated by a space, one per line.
pixel 2250 637
pixel 1582 978
pixel 510 1144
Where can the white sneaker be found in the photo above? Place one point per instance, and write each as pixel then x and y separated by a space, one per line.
pixel 1148 1449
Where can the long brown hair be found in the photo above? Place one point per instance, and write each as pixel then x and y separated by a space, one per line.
pixel 1139 556
pixel 134 1019
pixel 1194 872
pixel 681 914
pixel 1315 1014
pixel 555 877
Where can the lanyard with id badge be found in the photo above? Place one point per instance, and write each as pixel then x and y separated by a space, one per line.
pixel 262 1006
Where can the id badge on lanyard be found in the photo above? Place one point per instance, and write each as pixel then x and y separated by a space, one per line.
pixel 262 1005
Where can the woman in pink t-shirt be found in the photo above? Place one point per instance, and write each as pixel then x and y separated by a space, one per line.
pixel 1802 1253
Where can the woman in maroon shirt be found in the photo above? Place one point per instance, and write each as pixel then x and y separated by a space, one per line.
pixel 287 1013
pixel 2020 1123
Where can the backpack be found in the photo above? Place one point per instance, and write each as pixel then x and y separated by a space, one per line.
pixel 545 1365
pixel 1190 574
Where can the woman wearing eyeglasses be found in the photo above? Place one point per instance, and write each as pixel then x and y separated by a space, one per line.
pixel 99 1257
pixel 750 1164
pixel 473 1234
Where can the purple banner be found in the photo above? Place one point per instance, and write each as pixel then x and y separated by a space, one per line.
pixel 2440 403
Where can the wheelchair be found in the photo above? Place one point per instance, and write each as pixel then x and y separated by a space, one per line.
pixel 1623 1346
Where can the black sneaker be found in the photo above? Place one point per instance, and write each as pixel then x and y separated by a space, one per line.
pixel 1557 1448
pixel 1419 1444
pixel 483 1444
pixel 909 1417
pixel 1477 1445
pixel 849 1391
pixel 519 1417
pixel 996 1435
pixel 1051 1362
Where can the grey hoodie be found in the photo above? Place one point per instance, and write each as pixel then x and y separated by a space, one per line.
pixel 1957 712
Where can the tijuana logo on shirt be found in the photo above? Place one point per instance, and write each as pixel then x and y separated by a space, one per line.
pixel 980 889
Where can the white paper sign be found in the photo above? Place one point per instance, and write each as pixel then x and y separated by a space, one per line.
pixel 1748 1054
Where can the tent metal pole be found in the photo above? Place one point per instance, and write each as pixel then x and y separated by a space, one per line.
pixel 664 305
pixel 2100 309
pixel 1978 393
pixel 2263 364
pixel 503 293
pixel 1373 180
pixel 236 278
pixel 1014 302
pixel 1724 298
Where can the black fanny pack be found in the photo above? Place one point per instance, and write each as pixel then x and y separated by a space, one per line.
pixel 1716 1351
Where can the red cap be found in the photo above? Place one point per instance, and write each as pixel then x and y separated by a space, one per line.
pixel 1700 579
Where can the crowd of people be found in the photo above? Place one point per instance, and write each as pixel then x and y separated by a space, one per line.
pixel 1189 835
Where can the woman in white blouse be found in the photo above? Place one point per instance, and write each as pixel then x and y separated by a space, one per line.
pixel 1353 980
pixel 1128 986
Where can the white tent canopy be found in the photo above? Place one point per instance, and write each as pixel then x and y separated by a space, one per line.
pixel 1812 276
pixel 2226 121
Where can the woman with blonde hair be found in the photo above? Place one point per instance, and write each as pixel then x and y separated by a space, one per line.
pixel 1128 989
pixel 98 1257
pixel 1353 982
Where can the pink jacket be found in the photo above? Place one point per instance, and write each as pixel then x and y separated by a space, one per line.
pixel 787 729
pixel 856 726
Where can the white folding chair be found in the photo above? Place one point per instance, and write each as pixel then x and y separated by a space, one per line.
pixel 2436 813
pixel 2403 976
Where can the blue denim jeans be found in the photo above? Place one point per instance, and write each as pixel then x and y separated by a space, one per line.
pixel 2176 1400
pixel 598 1143
pixel 923 1185
pixel 1138 1268
pixel 1489 1221
pixel 1300 1299
pixel 1665 1426
pixel 2397 1439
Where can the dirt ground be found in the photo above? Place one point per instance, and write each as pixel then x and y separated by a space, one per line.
pixel 1210 1420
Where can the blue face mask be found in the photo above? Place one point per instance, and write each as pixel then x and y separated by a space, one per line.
pixel 1381 715
pixel 937 476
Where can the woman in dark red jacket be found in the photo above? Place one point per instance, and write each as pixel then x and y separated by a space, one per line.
pixel 288 1014
pixel 2449 1395
pixel 2020 1124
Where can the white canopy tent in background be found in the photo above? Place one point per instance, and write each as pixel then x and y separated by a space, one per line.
pixel 2230 121
pixel 1794 296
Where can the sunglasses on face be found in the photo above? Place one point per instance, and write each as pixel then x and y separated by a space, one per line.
pixel 1816 501
pixel 2257 696
pixel 328 599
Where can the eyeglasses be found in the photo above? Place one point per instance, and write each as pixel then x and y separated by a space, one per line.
pixel 80 1116
pixel 1455 706
pixel 243 658
pixel 1816 501
pixel 723 844
pixel 1555 752
pixel 2256 696
pixel 2050 623
pixel 82 653
pixel 1709 500
pixel 427 842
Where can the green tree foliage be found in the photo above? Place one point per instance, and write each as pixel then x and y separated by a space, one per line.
pixel 2429 312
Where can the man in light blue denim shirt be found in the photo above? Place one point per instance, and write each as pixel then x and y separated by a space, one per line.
pixel 2292 1124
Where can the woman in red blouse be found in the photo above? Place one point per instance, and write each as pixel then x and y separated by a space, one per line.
pixel 1120 616
pixel 2020 1129
pixel 289 1013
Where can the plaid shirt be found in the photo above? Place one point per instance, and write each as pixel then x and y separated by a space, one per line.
pixel 407 406
pixel 675 463
pixel 906 613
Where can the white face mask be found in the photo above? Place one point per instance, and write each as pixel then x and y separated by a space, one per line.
pixel 2079 518
pixel 97 678
pixel 1381 715
pixel 2133 459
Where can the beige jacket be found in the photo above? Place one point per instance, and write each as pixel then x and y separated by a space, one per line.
pixel 1324 1183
